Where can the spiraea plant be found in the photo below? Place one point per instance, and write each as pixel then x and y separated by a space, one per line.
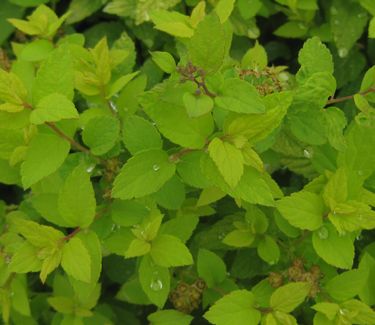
pixel 169 164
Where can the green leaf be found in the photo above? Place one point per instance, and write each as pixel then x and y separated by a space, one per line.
pixel 335 123
pixel 256 127
pixel 291 29
pixel 171 195
pixel 50 263
pixel 120 83
pixel 211 267
pixel 36 166
pixel 107 127
pixel 335 249
pixel 25 259
pixel 371 28
pixel 164 60
pixel 302 209
pixel 206 51
pixel 80 9
pixel 20 299
pixel 346 285
pixel 358 312
pixel 12 90
pixel 94 247
pixel 151 167
pixel 239 238
pixel 164 105
pixel 139 134
pixel 224 9
pixel 59 63
pixel 167 251
pixel 358 156
pixel 53 108
pixel 268 250
pixel 169 317
pixel 314 57
pixel 236 308
pixel 76 260
pixel 155 281
pixel 345 14
pixel 64 305
pixel 137 247
pixel 128 213
pixel 189 169
pixel 289 296
pixel 38 235
pixel 239 96
pixel 36 51
pixel 329 309
pixel 76 201
pixel 197 105
pixel 255 58
pixel 228 159
pixel 7 9
pixel 181 227
pixel 367 266
pixel 172 22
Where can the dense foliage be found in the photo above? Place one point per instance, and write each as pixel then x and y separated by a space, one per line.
pixel 175 162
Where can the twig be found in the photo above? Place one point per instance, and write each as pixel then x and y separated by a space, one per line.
pixel 64 136
pixel 345 98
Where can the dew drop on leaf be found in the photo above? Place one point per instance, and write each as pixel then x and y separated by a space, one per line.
pixel 156 284
pixel 156 167
pixel 343 52
pixel 323 233
pixel 343 311
pixel 308 153
pixel 113 106
pixel 90 168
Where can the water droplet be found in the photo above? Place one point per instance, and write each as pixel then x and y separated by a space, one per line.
pixel 113 106
pixel 343 311
pixel 359 237
pixel 308 153
pixel 336 22
pixel 360 172
pixel 334 212
pixel 272 262
pixel 155 167
pixel 113 227
pixel 301 26
pixel 360 217
pixel 361 15
pixel 228 274
pixel 323 233
pixel 153 123
pixel 156 283
pixel 343 52
pixel 89 169
pixel 11 294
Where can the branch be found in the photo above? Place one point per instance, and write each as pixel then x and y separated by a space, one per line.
pixel 345 98
pixel 64 136
pixel 74 143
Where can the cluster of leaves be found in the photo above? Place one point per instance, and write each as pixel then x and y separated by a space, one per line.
pixel 195 179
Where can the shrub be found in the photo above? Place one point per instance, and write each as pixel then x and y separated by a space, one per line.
pixel 177 162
